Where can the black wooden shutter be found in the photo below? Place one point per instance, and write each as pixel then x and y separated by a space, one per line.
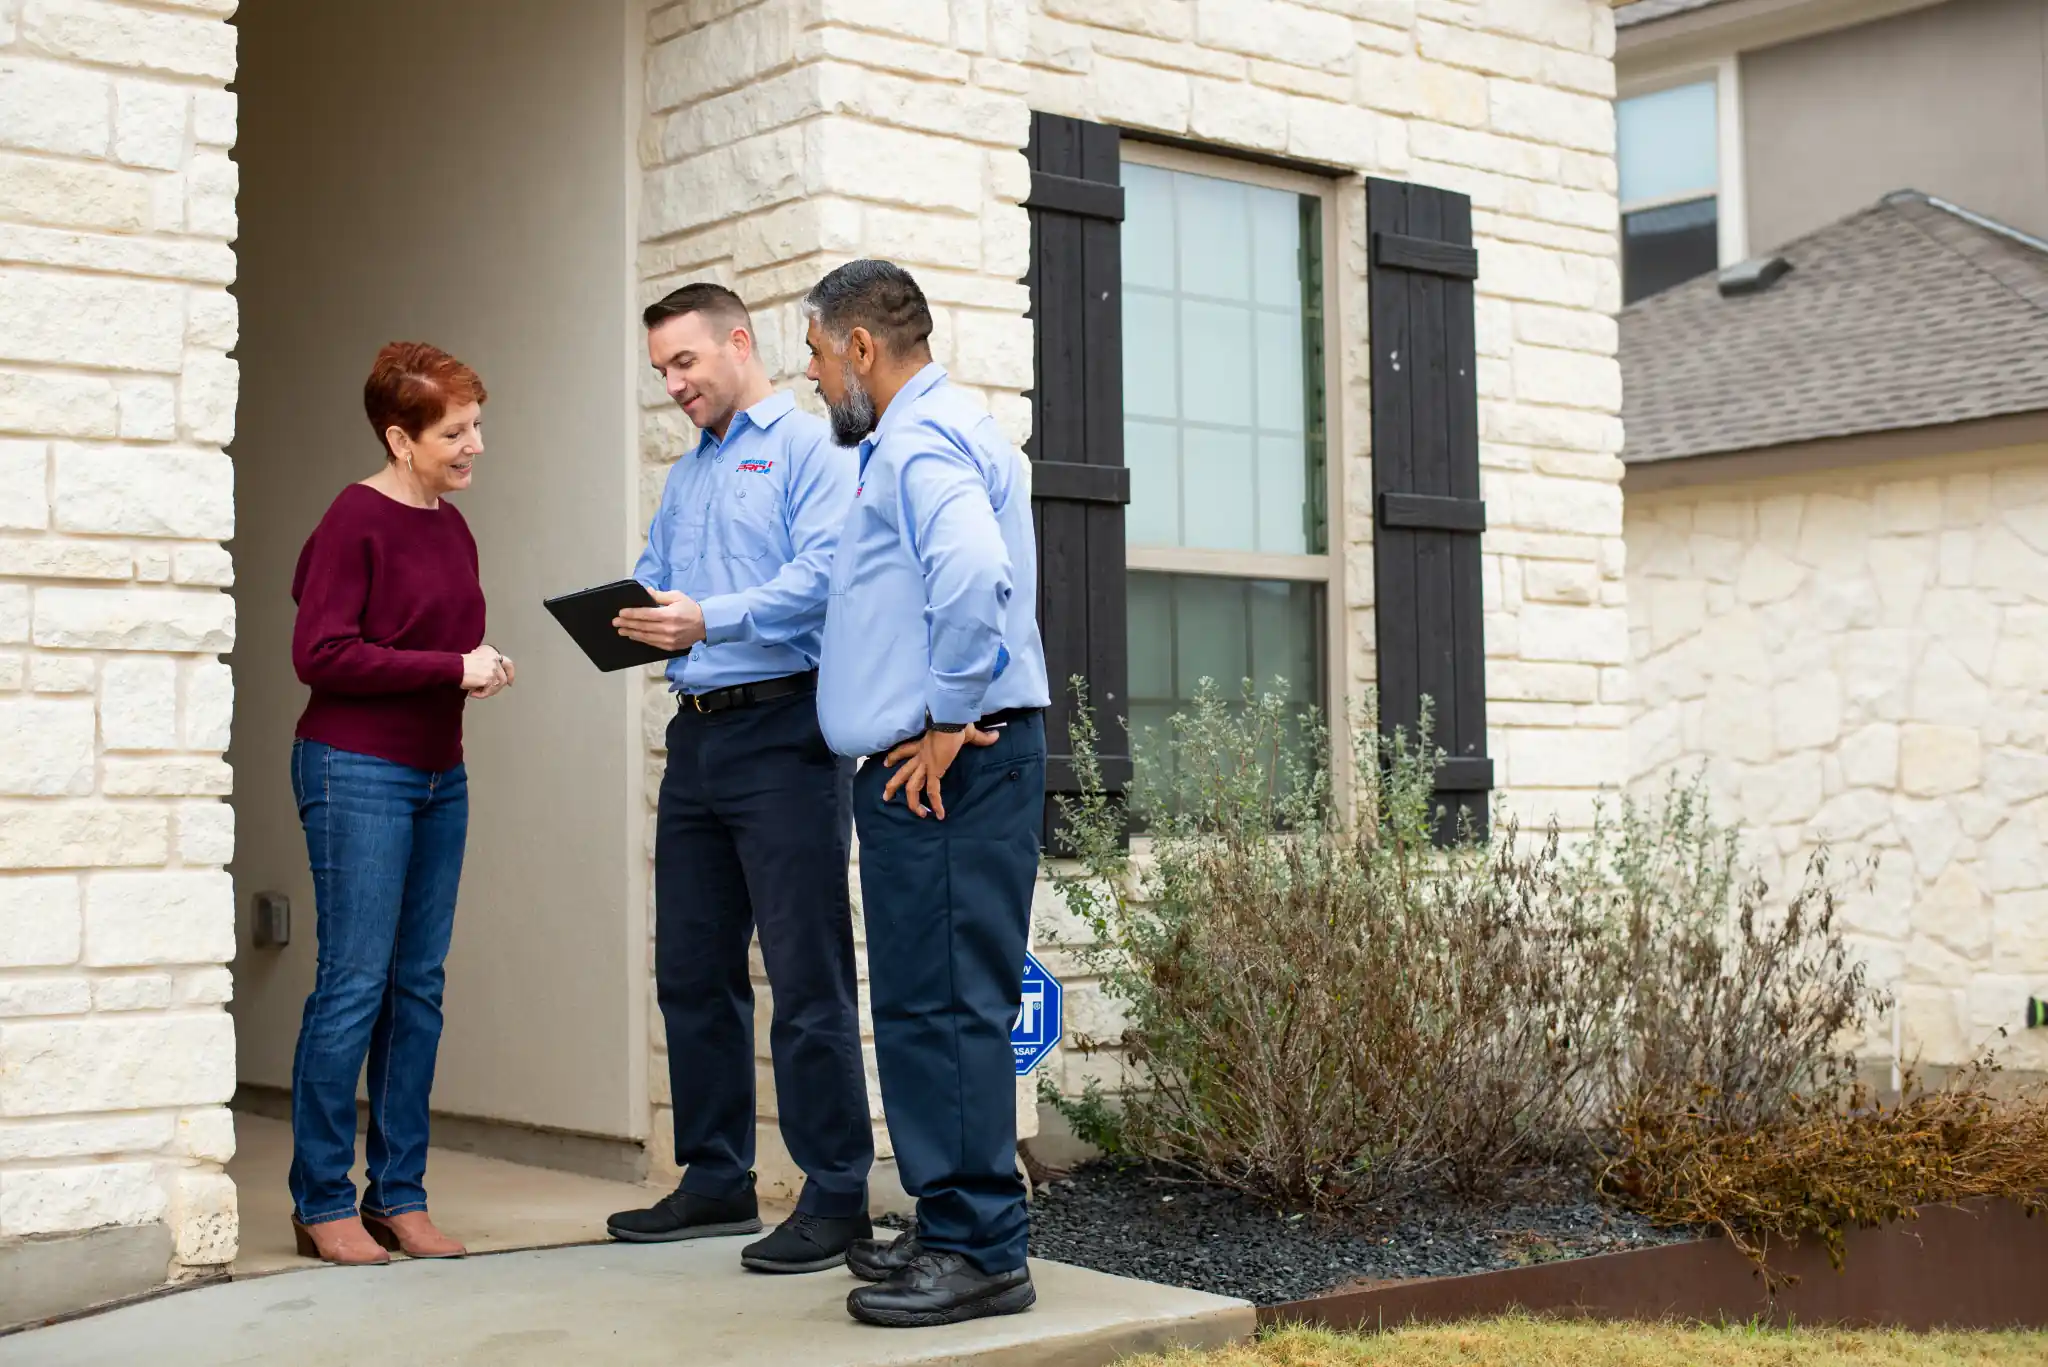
pixel 1079 485
pixel 1425 481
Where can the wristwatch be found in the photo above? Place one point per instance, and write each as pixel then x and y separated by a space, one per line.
pixel 944 728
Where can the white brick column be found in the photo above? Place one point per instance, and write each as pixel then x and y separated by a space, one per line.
pixel 117 203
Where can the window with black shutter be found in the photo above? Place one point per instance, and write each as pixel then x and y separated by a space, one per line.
pixel 1079 485
pixel 1425 473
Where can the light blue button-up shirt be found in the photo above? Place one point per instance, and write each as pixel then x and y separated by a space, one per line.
pixel 747 527
pixel 935 587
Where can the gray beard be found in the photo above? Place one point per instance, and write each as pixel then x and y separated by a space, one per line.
pixel 853 417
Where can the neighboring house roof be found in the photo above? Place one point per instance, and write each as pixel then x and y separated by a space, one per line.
pixel 1644 11
pixel 1910 313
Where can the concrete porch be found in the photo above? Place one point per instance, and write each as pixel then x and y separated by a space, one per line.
pixel 491 1205
pixel 547 1286
pixel 670 1304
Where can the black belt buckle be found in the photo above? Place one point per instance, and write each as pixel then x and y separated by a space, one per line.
pixel 761 690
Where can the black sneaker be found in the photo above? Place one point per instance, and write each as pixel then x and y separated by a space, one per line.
pixel 806 1243
pixel 937 1288
pixel 685 1215
pixel 877 1260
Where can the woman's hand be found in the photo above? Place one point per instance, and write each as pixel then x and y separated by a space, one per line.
pixel 484 672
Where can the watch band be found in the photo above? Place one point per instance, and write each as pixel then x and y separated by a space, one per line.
pixel 944 728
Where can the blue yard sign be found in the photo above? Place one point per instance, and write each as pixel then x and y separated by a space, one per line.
pixel 1038 1024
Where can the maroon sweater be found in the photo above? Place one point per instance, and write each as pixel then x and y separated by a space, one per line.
pixel 389 603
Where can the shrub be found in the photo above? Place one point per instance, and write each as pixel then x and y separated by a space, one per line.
pixel 1322 1007
pixel 1729 1005
pixel 1820 1168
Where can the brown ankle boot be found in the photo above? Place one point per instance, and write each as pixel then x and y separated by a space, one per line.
pixel 412 1234
pixel 344 1243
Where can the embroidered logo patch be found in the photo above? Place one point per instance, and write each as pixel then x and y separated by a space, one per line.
pixel 755 467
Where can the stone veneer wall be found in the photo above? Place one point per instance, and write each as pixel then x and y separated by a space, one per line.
pixel 781 138
pixel 1508 101
pixel 1860 658
pixel 117 204
pixel 784 136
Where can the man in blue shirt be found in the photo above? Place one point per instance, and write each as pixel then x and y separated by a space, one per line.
pixel 753 823
pixel 933 671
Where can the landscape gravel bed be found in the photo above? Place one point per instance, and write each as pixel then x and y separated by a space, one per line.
pixel 1137 1223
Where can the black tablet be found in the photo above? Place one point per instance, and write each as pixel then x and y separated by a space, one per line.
pixel 587 616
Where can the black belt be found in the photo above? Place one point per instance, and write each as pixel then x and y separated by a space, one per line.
pixel 747 694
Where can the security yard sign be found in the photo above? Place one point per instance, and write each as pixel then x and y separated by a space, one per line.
pixel 1038 1024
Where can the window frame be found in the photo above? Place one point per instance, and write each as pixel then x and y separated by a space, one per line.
pixel 1731 205
pixel 1326 568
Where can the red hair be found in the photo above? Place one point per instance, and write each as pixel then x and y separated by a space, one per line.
pixel 412 385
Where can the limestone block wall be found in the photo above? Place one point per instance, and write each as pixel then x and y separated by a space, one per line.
pixel 1509 102
pixel 784 136
pixel 1860 658
pixel 781 138
pixel 117 204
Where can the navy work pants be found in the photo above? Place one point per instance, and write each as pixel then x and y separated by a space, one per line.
pixel 948 912
pixel 753 832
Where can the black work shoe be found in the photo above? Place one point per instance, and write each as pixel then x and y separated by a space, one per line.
pixel 877 1260
pixel 686 1215
pixel 936 1288
pixel 806 1243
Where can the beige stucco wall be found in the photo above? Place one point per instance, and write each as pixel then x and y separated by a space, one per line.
pixel 1951 100
pixel 117 203
pixel 392 190
pixel 1859 658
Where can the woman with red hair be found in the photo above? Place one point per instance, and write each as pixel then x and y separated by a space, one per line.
pixel 389 637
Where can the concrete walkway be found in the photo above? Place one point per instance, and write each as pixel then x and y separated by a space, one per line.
pixel 678 1304
pixel 492 1206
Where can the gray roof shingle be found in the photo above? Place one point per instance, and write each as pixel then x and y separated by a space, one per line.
pixel 1910 313
pixel 1647 11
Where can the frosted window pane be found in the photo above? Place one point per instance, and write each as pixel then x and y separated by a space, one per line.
pixel 1151 637
pixel 1283 490
pixel 1150 345
pixel 1209 632
pixel 1283 630
pixel 1216 363
pixel 1281 400
pixel 1148 227
pixel 1666 144
pixel 1217 510
pixel 1215 237
pixel 1151 450
pixel 1276 248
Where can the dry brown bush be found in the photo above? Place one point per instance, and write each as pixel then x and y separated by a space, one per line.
pixel 1823 1168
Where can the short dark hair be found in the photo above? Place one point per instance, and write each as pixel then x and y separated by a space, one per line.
pixel 712 300
pixel 877 295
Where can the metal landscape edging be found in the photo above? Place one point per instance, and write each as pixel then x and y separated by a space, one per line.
pixel 1981 1265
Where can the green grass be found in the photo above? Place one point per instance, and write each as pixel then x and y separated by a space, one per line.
pixel 1520 1341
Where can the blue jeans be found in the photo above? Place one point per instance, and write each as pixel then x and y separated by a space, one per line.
pixel 385 841
pixel 948 906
